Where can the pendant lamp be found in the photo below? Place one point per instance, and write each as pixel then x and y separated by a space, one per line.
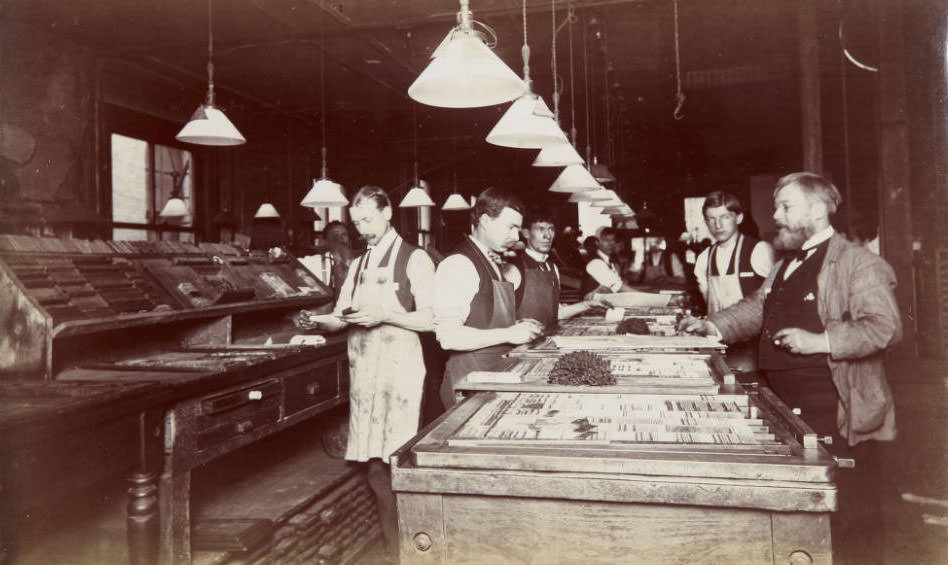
pixel 589 195
pixel 266 210
pixel 601 172
pixel 575 178
pixel 324 193
pixel 528 123
pixel 561 155
pixel 174 208
pixel 464 72
pixel 613 200
pixel 208 124
pixel 418 195
pixel 455 202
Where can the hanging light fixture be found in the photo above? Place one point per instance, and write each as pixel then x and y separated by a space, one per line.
pixel 208 124
pixel 324 193
pixel 528 123
pixel 601 172
pixel 265 211
pixel 613 200
pixel 589 195
pixel 575 178
pixel 174 208
pixel 561 154
pixel 418 195
pixel 455 202
pixel 464 72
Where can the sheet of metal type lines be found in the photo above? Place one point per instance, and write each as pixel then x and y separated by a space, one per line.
pixel 684 421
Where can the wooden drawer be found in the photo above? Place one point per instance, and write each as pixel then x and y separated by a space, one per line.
pixel 237 413
pixel 314 385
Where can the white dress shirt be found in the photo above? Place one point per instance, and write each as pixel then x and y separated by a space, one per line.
pixel 604 272
pixel 456 283
pixel 808 246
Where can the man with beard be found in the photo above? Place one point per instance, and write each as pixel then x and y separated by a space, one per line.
pixel 825 316
pixel 474 306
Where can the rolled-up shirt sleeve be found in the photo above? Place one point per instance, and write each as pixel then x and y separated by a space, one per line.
pixel 456 283
pixel 762 258
pixel 604 275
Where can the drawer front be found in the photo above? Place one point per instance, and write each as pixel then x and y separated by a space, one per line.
pixel 314 385
pixel 237 412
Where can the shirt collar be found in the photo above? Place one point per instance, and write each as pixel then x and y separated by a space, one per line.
pixel 487 254
pixel 818 238
pixel 730 243
pixel 536 255
pixel 386 240
pixel 604 257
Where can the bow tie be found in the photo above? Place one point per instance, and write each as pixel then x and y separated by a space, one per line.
pixel 800 254
pixel 495 257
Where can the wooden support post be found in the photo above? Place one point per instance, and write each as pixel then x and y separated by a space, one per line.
pixel 808 26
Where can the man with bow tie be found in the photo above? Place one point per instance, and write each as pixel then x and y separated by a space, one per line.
pixel 825 316
pixel 474 306
pixel 385 301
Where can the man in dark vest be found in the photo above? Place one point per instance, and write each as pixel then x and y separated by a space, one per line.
pixel 825 316
pixel 475 312
pixel 733 267
pixel 537 278
pixel 385 301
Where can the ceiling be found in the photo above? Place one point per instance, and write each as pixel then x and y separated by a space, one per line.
pixel 272 52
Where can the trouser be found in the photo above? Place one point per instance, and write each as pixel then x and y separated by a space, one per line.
pixel 858 527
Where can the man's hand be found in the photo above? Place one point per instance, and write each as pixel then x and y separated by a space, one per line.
pixel 801 342
pixel 367 317
pixel 697 326
pixel 597 301
pixel 524 331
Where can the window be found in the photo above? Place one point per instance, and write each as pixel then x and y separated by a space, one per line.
pixel 144 176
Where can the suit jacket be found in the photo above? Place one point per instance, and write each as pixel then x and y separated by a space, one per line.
pixel 858 309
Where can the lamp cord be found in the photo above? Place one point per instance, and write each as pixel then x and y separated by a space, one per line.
pixel 572 84
pixel 322 86
pixel 210 55
pixel 556 89
pixel 679 95
pixel 525 50
pixel 589 129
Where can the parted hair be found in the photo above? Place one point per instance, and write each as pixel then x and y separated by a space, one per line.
pixel 373 193
pixel 721 198
pixel 492 201
pixel 815 186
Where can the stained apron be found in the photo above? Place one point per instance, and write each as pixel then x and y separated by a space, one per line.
pixel 386 372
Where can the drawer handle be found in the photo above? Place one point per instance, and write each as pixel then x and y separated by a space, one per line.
pixel 799 557
pixel 255 395
pixel 422 541
pixel 244 427
pixel 312 388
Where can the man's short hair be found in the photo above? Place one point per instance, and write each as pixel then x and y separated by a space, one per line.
pixel 814 186
pixel 492 201
pixel 720 198
pixel 607 232
pixel 373 193
pixel 535 215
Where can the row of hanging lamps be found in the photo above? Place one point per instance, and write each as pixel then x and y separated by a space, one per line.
pixel 464 72
pixel 528 123
pixel 455 200
pixel 613 200
pixel 324 193
pixel 590 195
pixel 208 124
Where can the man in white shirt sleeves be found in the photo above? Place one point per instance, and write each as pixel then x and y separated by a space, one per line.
pixel 733 267
pixel 602 272
pixel 474 305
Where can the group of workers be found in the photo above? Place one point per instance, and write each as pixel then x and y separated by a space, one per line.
pixel 816 321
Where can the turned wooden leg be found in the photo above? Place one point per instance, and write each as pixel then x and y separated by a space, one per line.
pixel 142 519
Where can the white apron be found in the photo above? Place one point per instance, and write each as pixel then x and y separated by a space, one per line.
pixel 724 289
pixel 386 372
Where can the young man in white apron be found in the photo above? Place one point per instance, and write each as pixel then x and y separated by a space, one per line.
pixel 733 267
pixel 385 301
pixel 475 311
